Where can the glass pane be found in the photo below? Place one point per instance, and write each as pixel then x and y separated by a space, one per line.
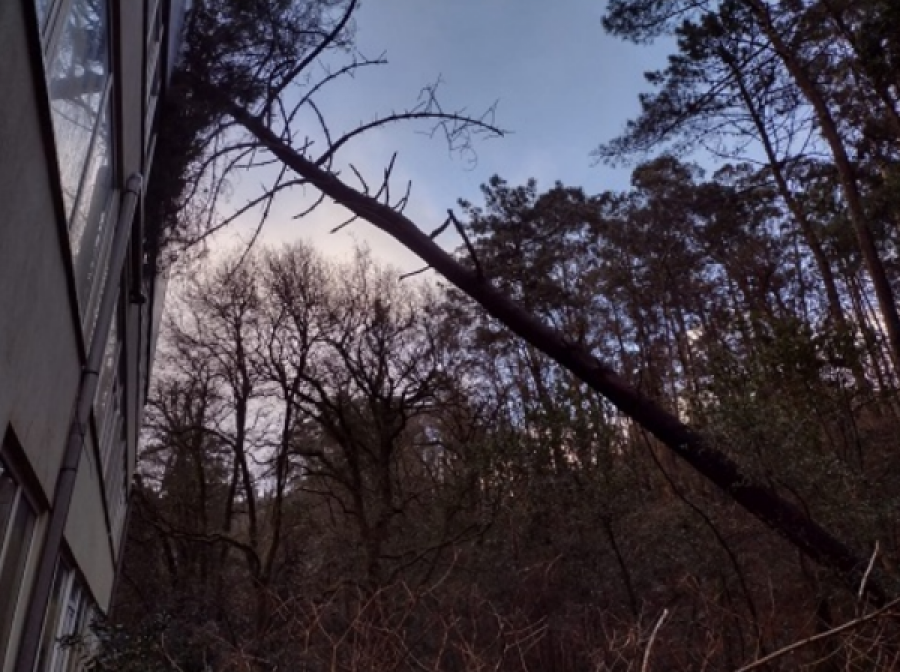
pixel 7 492
pixel 71 626
pixel 113 473
pixel 51 619
pixel 12 566
pixel 100 272
pixel 43 9
pixel 103 402
pixel 78 74
pixel 90 228
pixel 76 647
pixel 116 449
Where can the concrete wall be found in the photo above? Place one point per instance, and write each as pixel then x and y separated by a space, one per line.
pixel 87 533
pixel 40 351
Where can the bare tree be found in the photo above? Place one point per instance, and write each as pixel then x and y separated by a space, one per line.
pixel 258 125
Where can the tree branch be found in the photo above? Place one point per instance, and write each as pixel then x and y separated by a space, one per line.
pixel 849 625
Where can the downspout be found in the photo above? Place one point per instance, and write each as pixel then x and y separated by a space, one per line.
pixel 78 430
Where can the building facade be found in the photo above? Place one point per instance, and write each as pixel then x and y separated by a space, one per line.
pixel 80 82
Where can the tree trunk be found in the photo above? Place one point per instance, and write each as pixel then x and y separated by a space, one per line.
pixel 806 228
pixel 846 175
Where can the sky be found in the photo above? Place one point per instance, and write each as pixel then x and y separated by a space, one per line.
pixel 561 87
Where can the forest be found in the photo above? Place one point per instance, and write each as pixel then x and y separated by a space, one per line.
pixel 642 429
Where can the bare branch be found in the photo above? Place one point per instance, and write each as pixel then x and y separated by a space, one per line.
pixel 319 199
pixel 645 665
pixel 459 120
pixel 439 230
pixel 266 198
pixel 348 69
pixel 361 179
pixel 266 212
pixel 871 565
pixel 883 612
pixel 414 273
pixel 468 243
pixel 326 42
pixel 400 205
pixel 344 224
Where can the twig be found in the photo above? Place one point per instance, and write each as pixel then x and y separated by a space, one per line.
pixel 343 224
pixel 316 204
pixel 331 76
pixel 439 230
pixel 329 39
pixel 862 585
pixel 400 205
pixel 361 179
pixel 267 211
pixel 452 123
pixel 849 625
pixel 471 248
pixel 645 665
pixel 412 273
pixel 386 181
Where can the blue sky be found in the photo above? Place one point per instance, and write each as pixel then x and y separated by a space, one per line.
pixel 561 86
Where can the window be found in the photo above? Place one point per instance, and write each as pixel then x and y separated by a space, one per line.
pixel 51 618
pixel 17 521
pixel 65 623
pixel 81 101
pixel 118 499
pixel 78 78
pixel 94 271
pixel 89 230
pixel 108 401
pixel 43 12
pixel 115 476
pixel 109 413
pixel 154 71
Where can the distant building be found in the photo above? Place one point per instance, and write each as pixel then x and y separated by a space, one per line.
pixel 79 300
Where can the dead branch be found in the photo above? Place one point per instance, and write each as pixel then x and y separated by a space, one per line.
pixel 645 664
pixel 468 243
pixel 883 612
pixel 328 41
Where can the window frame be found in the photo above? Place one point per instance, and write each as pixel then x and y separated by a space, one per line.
pixel 86 285
pixel 62 9
pixel 90 197
pixel 23 493
pixel 155 31
pixel 70 620
pixel 51 28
